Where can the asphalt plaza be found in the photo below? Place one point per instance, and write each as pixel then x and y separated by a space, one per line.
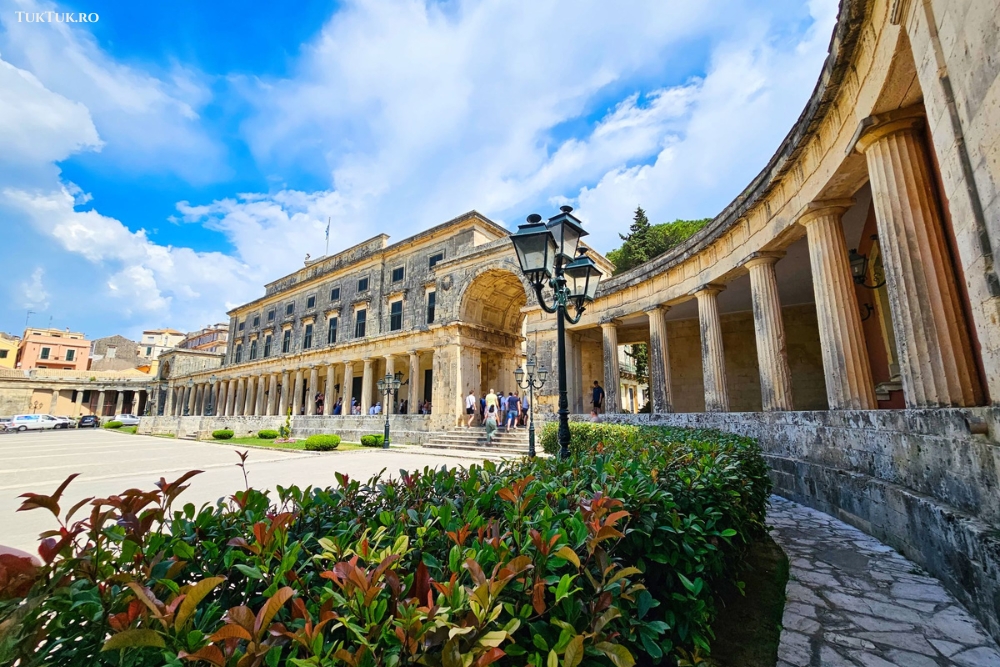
pixel 109 463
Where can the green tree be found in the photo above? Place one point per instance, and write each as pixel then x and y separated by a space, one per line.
pixel 645 241
pixel 639 354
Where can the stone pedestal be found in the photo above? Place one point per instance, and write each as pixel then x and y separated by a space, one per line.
pixel 659 360
pixel 772 354
pixel 935 355
pixel 846 368
pixel 713 360
pixel 612 374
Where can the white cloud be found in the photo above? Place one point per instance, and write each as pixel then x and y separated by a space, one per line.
pixel 33 291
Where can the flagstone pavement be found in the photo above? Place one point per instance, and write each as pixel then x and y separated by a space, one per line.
pixel 854 602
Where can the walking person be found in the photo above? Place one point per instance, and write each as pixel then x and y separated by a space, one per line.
pixel 470 407
pixel 492 402
pixel 512 404
pixel 525 406
pixel 491 423
pixel 597 398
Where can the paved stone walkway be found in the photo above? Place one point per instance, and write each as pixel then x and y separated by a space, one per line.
pixel 854 602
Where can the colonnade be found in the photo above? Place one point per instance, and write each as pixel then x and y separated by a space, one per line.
pixel 937 365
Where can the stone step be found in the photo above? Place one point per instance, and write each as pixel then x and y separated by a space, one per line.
pixel 478 449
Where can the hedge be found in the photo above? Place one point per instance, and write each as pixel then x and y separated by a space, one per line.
pixel 611 558
pixel 322 443
pixel 372 440
pixel 585 436
pixel 222 434
pixel 113 424
pixel 267 434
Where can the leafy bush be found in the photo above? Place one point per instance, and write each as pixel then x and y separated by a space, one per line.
pixel 585 436
pixel 593 561
pixel 372 440
pixel 113 424
pixel 322 443
pixel 267 434
pixel 222 434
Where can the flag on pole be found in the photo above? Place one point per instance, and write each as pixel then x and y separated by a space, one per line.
pixel 328 229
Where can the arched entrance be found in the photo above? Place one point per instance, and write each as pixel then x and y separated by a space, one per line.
pixel 492 333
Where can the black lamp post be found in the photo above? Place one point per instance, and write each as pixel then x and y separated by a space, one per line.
pixel 859 269
pixel 187 398
pixel 547 252
pixel 531 381
pixel 210 408
pixel 388 386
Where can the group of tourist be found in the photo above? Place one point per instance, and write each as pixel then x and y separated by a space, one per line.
pixel 496 410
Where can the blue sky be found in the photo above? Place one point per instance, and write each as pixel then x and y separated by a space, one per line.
pixel 159 166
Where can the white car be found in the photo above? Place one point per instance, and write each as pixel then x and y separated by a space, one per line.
pixel 65 422
pixel 33 422
pixel 127 420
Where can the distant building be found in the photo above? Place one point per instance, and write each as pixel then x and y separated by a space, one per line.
pixel 53 348
pixel 115 353
pixel 210 339
pixel 8 350
pixel 157 341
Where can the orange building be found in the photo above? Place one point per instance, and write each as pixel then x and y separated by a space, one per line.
pixel 53 348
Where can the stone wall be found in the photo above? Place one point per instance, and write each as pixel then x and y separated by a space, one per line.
pixel 923 481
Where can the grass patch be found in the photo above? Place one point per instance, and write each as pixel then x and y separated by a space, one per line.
pixel 747 628
pixel 299 445
pixel 128 429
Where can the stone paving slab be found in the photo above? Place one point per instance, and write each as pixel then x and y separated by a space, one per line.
pixel 854 602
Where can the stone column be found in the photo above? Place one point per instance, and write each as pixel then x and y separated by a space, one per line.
pixel 181 401
pixel 366 386
pixel 272 395
pixel 238 404
pixel 414 398
pixel 329 393
pixel 612 375
pixel 230 396
pixel 713 359
pixel 283 397
pixel 251 396
pixel 390 369
pixel 119 401
pixel 261 394
pixel 297 393
pixel 168 408
pixel 54 401
pixel 846 366
pixel 659 360
pixel 191 400
pixel 772 353
pixel 313 387
pixel 78 403
pixel 133 405
pixel 348 387
pixel 458 391
pixel 100 403
pixel 935 355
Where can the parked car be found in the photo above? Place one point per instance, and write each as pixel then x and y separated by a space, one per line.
pixel 33 422
pixel 127 420
pixel 64 422
pixel 89 421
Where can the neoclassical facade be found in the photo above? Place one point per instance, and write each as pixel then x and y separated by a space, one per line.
pixel 844 309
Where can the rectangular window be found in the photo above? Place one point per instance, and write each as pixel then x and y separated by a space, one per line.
pixel 397 274
pixel 307 339
pixel 331 334
pixel 334 294
pixel 360 320
pixel 363 285
pixel 267 346
pixel 311 302
pixel 286 341
pixel 71 354
pixel 395 316
pixel 45 353
pixel 149 351
pixel 270 315
pixel 289 309
pixel 435 258
pixel 431 301
pixel 3 354
pixel 239 353
pixel 256 321
pixel 241 326
pixel 253 350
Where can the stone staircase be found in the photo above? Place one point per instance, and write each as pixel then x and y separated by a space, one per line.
pixel 473 441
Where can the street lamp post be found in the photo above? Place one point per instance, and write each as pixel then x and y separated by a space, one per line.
pixel 187 398
pixel 388 386
pixel 531 381
pixel 210 408
pixel 547 253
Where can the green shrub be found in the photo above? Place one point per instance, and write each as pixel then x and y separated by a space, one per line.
pixel 113 424
pixel 322 443
pixel 610 557
pixel 585 436
pixel 222 434
pixel 372 440
pixel 267 434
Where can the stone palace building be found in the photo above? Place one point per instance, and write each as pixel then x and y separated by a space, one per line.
pixel 843 309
